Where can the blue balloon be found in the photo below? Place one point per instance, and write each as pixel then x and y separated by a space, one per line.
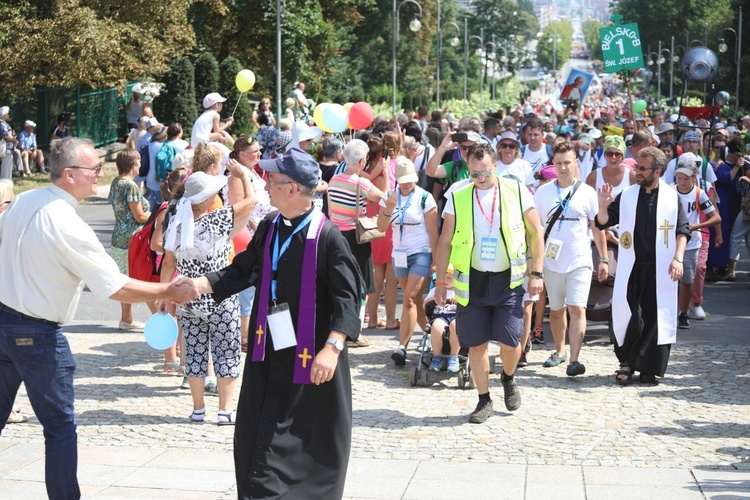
pixel 336 117
pixel 161 331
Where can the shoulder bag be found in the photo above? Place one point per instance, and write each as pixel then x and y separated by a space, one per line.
pixel 365 228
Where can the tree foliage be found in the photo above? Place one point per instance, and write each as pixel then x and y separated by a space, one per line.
pixel 243 117
pixel 206 76
pixel 177 101
pixel 94 43
pixel 591 34
pixel 563 31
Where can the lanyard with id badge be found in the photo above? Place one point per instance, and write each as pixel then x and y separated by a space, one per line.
pixel 488 244
pixel 279 318
pixel 399 254
pixel 553 246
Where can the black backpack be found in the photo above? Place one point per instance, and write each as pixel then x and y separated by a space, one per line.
pixel 145 161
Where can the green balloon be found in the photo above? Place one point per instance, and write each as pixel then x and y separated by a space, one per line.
pixel 640 106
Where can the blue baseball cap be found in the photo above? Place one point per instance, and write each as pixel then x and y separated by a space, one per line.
pixel 295 164
pixel 691 136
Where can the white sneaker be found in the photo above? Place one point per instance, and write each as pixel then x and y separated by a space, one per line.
pixel 696 312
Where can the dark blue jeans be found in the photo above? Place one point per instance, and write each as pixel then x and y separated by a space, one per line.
pixel 37 353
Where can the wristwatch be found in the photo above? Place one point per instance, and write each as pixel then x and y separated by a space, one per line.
pixel 339 345
pixel 538 274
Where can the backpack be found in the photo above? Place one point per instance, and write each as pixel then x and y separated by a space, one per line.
pixel 143 263
pixel 163 161
pixel 548 147
pixel 145 161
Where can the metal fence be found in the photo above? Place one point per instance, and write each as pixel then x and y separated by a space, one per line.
pixel 97 115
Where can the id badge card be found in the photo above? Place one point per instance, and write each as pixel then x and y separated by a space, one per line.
pixel 488 249
pixel 282 330
pixel 553 248
pixel 399 257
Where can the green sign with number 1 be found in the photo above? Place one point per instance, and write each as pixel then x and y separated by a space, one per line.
pixel 621 46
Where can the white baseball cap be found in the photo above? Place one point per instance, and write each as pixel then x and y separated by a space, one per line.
pixel 212 99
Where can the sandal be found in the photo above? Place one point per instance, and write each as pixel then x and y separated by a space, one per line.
pixel 626 373
pixel 380 324
pixel 397 327
pixel 360 342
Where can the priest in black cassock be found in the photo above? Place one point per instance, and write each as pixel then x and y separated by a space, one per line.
pixel 294 417
pixel 653 233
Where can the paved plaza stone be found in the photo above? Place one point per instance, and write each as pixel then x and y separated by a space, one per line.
pixel 579 438
pixel 587 432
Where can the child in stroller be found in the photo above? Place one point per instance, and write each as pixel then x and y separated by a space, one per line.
pixel 442 327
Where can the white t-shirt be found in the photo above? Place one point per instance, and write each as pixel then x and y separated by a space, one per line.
pixel 421 160
pixel 693 214
pixel 669 176
pixel 203 127
pixel 483 228
pixel 586 164
pixel 538 159
pixel 414 238
pixel 519 170
pixel 571 228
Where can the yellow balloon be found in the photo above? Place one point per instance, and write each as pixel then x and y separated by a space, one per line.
pixel 348 106
pixel 318 116
pixel 245 80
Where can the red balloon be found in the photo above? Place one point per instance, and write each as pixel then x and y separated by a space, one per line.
pixel 361 116
pixel 242 240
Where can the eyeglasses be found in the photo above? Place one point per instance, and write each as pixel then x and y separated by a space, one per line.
pixel 643 169
pixel 486 174
pixel 97 170
pixel 507 145
pixel 613 154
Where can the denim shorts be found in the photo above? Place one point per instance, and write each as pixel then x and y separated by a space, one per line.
pixel 419 264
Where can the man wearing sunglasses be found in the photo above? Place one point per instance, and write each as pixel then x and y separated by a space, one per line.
pixel 653 234
pixel 42 290
pixel 484 236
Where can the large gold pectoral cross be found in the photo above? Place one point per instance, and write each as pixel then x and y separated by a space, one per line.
pixel 666 227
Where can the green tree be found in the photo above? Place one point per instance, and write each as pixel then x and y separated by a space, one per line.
pixel 591 34
pixel 94 43
pixel 243 117
pixel 563 31
pixel 206 76
pixel 177 101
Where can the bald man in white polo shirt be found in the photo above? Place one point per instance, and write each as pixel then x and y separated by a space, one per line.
pixel 47 253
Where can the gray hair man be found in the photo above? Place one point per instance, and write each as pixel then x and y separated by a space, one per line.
pixel 47 284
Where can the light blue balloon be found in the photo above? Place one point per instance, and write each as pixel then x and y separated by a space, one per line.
pixel 336 117
pixel 161 331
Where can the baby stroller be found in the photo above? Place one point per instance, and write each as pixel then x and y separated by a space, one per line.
pixel 599 306
pixel 420 374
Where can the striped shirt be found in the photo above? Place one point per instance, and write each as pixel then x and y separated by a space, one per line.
pixel 342 191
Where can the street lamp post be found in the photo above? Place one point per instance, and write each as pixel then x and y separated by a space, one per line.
pixel 278 59
pixel 554 40
pixel 738 50
pixel 466 64
pixel 484 59
pixel 453 41
pixel 414 25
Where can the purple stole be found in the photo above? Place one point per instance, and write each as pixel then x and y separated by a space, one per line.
pixel 307 305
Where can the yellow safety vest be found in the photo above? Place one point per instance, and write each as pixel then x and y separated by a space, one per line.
pixel 512 231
